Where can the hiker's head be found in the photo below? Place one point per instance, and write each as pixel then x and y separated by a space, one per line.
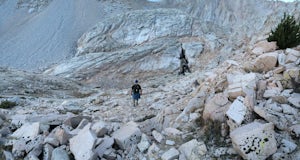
pixel 136 81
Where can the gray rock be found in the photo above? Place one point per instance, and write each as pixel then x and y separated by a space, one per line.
pixel 272 112
pixel 106 144
pixel 171 154
pixel 193 148
pixel 144 143
pixel 100 128
pixel 128 135
pixel 295 130
pixel 51 140
pixel 287 146
pixel 157 136
pixel 59 154
pixel 47 152
pixel 295 100
pixel 8 155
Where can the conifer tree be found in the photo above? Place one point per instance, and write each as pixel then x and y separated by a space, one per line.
pixel 287 33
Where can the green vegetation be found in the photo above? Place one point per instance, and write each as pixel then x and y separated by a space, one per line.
pixel 287 33
pixel 7 104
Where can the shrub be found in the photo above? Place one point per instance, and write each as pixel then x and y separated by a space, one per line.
pixel 7 104
pixel 287 33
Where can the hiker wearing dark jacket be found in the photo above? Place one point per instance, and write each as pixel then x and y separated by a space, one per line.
pixel 183 63
pixel 136 92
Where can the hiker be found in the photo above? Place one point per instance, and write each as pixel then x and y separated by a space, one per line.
pixel 136 92
pixel 183 63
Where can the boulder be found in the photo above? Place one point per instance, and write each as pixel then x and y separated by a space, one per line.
pixel 47 152
pixel 106 144
pixel 272 112
pixel 295 130
pixel 255 140
pixel 265 62
pixel 264 47
pixel 171 154
pixel 83 143
pixel 28 131
pixel 293 52
pixel 241 85
pixel 193 149
pixel 127 136
pixel 157 136
pixel 100 128
pixel 295 100
pixel 144 143
pixel 61 134
pixel 60 154
pixel 216 107
pixel 237 110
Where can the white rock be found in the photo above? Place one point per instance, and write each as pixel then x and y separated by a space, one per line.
pixel 100 128
pixel 128 135
pixel 295 100
pixel 271 92
pixel 47 152
pixel 193 147
pixel 61 154
pixel 241 85
pixel 144 143
pixel 254 140
pixel 172 132
pixel 82 145
pixel 287 109
pixel 287 146
pixel 106 144
pixel 281 59
pixel 290 58
pixel 293 52
pixel 27 131
pixel 171 154
pixel 237 110
pixel 170 143
pixel 157 136
pixel 295 129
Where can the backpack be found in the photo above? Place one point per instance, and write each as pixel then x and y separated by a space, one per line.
pixel 136 88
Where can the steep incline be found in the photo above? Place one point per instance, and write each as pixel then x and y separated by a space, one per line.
pixel 39 39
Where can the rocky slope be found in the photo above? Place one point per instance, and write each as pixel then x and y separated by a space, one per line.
pixel 240 101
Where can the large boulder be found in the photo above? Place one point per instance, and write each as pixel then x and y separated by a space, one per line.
pixel 264 47
pixel 255 140
pixel 216 107
pixel 83 143
pixel 127 136
pixel 265 62
pixel 241 85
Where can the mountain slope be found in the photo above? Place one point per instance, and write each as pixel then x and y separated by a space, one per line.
pixel 29 41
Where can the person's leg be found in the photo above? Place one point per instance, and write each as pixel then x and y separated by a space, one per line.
pixel 188 68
